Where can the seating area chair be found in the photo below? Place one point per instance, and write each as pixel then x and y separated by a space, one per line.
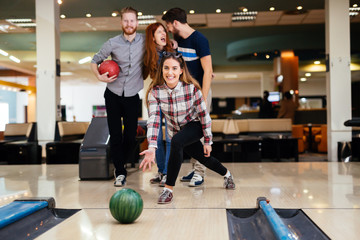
pixel 298 132
pixel 321 139
pixel 20 145
pixel 66 146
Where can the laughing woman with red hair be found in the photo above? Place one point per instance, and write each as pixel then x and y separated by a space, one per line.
pixel 157 41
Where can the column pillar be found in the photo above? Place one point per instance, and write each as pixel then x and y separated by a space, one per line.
pixel 31 109
pixel 338 74
pixel 48 68
pixel 287 65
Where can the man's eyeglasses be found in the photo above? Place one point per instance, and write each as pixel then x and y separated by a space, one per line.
pixel 174 54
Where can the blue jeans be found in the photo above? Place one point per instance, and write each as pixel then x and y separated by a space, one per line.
pixel 162 152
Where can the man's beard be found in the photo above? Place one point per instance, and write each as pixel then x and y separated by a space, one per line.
pixel 129 30
pixel 176 34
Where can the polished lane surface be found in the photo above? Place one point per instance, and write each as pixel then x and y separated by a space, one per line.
pixel 328 192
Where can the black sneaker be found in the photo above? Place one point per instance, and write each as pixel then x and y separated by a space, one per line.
pixel 120 181
pixel 156 179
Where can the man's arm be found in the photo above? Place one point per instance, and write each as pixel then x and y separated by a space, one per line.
pixel 206 64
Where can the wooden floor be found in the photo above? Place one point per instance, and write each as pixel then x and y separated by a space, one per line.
pixel 328 192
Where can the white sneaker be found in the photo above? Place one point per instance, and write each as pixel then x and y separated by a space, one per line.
pixel 196 180
pixel 120 181
pixel 163 181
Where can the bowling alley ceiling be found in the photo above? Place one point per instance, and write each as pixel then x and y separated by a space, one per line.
pixel 297 25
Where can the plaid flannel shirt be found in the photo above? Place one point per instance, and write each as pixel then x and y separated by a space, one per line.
pixel 180 105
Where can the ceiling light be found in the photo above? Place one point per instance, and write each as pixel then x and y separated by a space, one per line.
pixel 114 14
pixel 62 16
pixel 146 19
pixel 245 9
pixel 299 7
pixel 4 28
pixel 316 62
pixel 164 12
pixel 66 73
pixel 354 11
pixel 140 13
pixel 244 16
pixel 26 25
pixel 15 59
pixel 19 20
pixel 2 52
pixel 88 15
pixel 146 22
pixel 308 74
pixel 303 79
pixel 272 9
pixel 355 5
pixel 218 10
pixel 60 1
pixel 22 22
pixel 85 60
pixel 143 17
pixel 231 76
pixel 267 56
pixel 192 11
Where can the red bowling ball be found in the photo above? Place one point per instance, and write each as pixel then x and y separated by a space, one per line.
pixel 109 66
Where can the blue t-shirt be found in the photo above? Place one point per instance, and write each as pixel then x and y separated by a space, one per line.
pixel 193 48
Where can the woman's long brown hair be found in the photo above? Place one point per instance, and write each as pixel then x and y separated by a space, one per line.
pixel 184 77
pixel 151 57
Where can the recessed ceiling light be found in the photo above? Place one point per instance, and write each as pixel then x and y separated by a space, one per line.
pixel 299 7
pixel 2 52
pixel 218 10
pixel 85 60
pixel 272 9
pixel 230 76
pixel 66 73
pixel 88 15
pixel 308 74
pixel 192 11
pixel 60 1
pixel 245 9
pixel 303 79
pixel 140 13
pixel 62 16
pixel 15 59
pixel 316 62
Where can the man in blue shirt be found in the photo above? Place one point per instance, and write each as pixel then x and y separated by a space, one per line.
pixel 196 52
pixel 121 94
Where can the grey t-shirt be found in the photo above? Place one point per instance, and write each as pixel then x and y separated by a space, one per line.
pixel 129 56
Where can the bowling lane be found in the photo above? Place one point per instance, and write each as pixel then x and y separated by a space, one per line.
pixel 152 224
pixel 327 192
pixel 337 223
pixel 287 185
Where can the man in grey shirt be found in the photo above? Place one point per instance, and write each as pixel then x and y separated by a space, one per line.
pixel 121 94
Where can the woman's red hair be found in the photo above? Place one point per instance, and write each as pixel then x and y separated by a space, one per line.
pixel 151 56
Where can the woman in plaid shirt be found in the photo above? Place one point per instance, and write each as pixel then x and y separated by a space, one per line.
pixel 178 96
